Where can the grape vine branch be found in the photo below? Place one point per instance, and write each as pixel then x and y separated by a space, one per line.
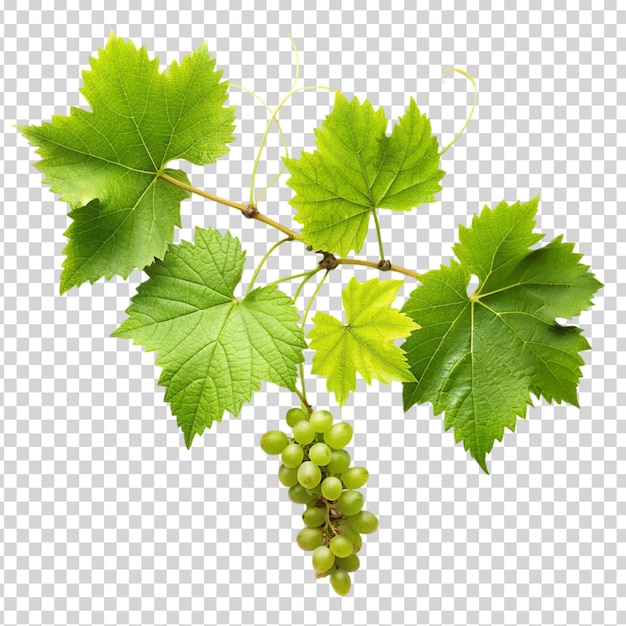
pixel 479 358
pixel 250 211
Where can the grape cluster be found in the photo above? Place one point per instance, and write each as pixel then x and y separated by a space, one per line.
pixel 316 469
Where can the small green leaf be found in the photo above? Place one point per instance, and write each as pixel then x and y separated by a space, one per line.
pixel 357 169
pixel 365 343
pixel 106 163
pixel 214 349
pixel 478 357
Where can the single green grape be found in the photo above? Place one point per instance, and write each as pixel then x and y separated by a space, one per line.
pixel 295 415
pixel 315 491
pixel 339 462
pixel 292 455
pixel 350 502
pixel 309 475
pixel 274 442
pixel 288 476
pixel 343 528
pixel 309 538
pixel 298 494
pixel 321 421
pixel 349 563
pixel 326 573
pixel 323 559
pixel 303 433
pixel 320 454
pixel 355 477
pixel 340 581
pixel 339 435
pixel 363 522
pixel 331 488
pixel 341 546
pixel 313 517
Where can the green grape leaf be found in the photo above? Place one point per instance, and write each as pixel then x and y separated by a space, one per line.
pixel 357 169
pixel 213 348
pixel 365 344
pixel 107 162
pixel 479 357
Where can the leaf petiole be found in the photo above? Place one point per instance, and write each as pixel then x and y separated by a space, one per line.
pixel 305 281
pixel 312 299
pixel 262 262
pixel 308 275
pixel 379 235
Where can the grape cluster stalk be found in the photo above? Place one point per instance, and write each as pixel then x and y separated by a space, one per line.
pixel 316 469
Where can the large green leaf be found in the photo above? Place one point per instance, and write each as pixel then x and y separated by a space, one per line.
pixel 358 168
pixel 478 357
pixel 365 343
pixel 214 349
pixel 106 163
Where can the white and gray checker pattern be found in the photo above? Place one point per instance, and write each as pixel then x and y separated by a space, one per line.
pixel 106 518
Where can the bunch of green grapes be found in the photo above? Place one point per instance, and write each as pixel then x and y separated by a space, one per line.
pixel 316 469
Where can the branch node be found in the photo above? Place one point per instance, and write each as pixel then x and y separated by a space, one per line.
pixel 384 266
pixel 329 262
pixel 250 211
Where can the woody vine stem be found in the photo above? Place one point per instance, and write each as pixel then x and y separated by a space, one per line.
pixel 252 212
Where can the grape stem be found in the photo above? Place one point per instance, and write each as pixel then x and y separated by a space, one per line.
pixel 291 234
pixel 329 525
pixel 302 396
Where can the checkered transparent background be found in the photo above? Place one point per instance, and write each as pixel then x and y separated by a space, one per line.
pixel 106 518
